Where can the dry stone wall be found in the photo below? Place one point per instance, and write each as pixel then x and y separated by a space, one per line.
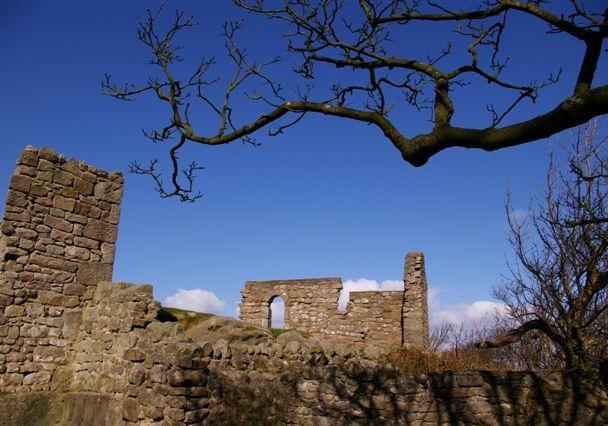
pixel 79 350
pixel 385 319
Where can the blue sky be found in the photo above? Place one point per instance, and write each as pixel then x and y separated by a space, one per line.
pixel 327 198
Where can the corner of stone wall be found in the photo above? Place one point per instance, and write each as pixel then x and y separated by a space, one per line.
pixel 415 317
pixel 58 237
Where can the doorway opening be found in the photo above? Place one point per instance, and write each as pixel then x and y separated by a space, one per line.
pixel 276 316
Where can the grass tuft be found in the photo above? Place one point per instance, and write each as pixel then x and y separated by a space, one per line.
pixel 276 332
pixel 187 318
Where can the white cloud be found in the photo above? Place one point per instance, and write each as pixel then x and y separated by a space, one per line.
pixel 467 314
pixel 277 309
pixel 363 284
pixel 196 300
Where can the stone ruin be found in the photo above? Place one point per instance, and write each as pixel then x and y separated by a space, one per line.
pixel 77 349
pixel 385 319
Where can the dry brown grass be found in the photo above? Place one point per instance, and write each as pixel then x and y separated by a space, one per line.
pixel 451 348
pixel 416 361
pixel 187 318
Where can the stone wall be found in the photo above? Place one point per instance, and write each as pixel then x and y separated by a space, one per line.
pixel 310 304
pixel 80 350
pixel 130 369
pixel 415 302
pixel 58 236
pixel 385 319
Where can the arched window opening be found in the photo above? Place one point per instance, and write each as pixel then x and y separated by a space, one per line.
pixel 277 312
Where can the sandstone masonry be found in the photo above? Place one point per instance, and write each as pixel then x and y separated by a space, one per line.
pixel 76 349
pixel 386 319
pixel 58 235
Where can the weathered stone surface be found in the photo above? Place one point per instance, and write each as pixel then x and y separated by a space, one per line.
pixel 130 409
pixel 71 324
pixel 37 378
pixel 14 311
pixel 99 230
pixel 134 355
pixel 290 336
pixel 63 203
pixel 83 187
pixel 20 183
pixel 108 191
pixel 58 223
pixel 16 199
pixel 228 329
pixel 91 273
pixel 49 354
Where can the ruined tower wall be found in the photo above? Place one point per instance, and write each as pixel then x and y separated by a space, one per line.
pixel 415 302
pixel 59 232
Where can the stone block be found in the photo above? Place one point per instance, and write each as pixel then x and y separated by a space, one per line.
pixel 48 155
pixel 7 228
pixel 63 178
pixel 71 324
pixel 16 199
pixel 12 379
pixel 158 374
pixel 82 209
pixel 108 253
pixel 29 157
pixel 77 253
pixel 196 416
pixel 130 409
pixel 38 190
pixel 37 378
pixel 63 203
pixel 108 191
pixel 137 375
pixel 86 242
pixel 14 311
pixel 134 355
pixel 91 273
pixel 73 289
pixel 62 378
pixel 49 354
pixel 101 231
pixel 50 298
pixel 176 377
pixel 83 187
pixel 58 223
pixel 53 262
pixel 20 183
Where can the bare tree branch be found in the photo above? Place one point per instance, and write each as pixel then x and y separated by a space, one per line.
pixel 561 289
pixel 321 33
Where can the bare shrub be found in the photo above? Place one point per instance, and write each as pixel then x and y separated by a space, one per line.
pixel 451 348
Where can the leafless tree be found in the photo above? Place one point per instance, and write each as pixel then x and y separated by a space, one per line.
pixel 373 75
pixel 559 287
